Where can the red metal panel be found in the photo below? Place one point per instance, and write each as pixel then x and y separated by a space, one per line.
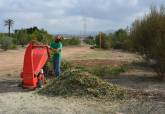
pixel 34 60
pixel 40 57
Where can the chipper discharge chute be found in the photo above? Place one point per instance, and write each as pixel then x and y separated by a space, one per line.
pixel 35 58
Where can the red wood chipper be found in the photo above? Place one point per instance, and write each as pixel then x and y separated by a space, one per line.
pixel 35 58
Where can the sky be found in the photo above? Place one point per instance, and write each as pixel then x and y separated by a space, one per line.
pixel 74 16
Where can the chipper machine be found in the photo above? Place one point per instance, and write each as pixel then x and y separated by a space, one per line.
pixel 35 58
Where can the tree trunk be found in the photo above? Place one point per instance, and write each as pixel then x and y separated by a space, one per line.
pixel 9 29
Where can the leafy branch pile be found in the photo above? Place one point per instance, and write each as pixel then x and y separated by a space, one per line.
pixel 75 81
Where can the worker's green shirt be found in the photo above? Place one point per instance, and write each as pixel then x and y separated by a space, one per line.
pixel 55 45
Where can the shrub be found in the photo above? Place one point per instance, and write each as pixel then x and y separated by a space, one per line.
pixel 71 42
pixel 120 39
pixel 24 36
pixel 21 38
pixel 90 40
pixel 5 42
pixel 74 41
pixel 105 44
pixel 148 38
pixel 14 46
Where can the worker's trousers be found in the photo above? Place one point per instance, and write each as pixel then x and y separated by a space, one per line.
pixel 57 65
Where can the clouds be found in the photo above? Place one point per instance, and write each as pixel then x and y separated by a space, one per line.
pixel 67 15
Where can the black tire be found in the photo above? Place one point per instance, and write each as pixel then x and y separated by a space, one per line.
pixel 21 85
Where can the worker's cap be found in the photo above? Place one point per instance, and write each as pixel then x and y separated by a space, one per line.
pixel 59 37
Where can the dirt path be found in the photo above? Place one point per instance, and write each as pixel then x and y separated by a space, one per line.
pixel 14 100
pixel 11 61
pixel 24 102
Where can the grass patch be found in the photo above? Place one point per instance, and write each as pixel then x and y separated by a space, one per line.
pixel 118 70
pixel 102 71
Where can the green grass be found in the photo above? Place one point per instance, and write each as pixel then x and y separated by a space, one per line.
pixel 108 70
pixel 118 70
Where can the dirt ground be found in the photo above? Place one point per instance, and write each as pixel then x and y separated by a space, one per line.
pixel 14 100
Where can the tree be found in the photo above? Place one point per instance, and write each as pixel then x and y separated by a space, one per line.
pixel 120 39
pixel 22 37
pixel 102 39
pixel 90 40
pixel 148 38
pixel 9 23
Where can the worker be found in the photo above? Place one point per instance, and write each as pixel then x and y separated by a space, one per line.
pixel 56 47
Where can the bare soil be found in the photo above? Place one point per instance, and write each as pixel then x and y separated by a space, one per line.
pixel 15 100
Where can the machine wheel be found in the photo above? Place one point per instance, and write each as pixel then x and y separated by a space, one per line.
pixel 40 84
pixel 45 70
pixel 21 85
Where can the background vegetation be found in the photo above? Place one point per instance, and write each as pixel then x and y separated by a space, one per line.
pixel 24 36
pixel 148 38
pixel 6 42
pixel 72 41
pixel 117 40
pixel 90 40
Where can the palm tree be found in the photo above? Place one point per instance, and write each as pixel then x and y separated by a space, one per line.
pixel 9 23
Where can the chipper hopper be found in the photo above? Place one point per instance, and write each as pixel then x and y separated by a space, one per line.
pixel 35 58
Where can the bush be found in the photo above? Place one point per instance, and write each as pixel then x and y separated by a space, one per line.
pixel 14 46
pixel 74 41
pixel 90 40
pixel 5 42
pixel 120 40
pixel 24 36
pixel 65 42
pixel 21 38
pixel 105 41
pixel 107 44
pixel 148 38
pixel 71 42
